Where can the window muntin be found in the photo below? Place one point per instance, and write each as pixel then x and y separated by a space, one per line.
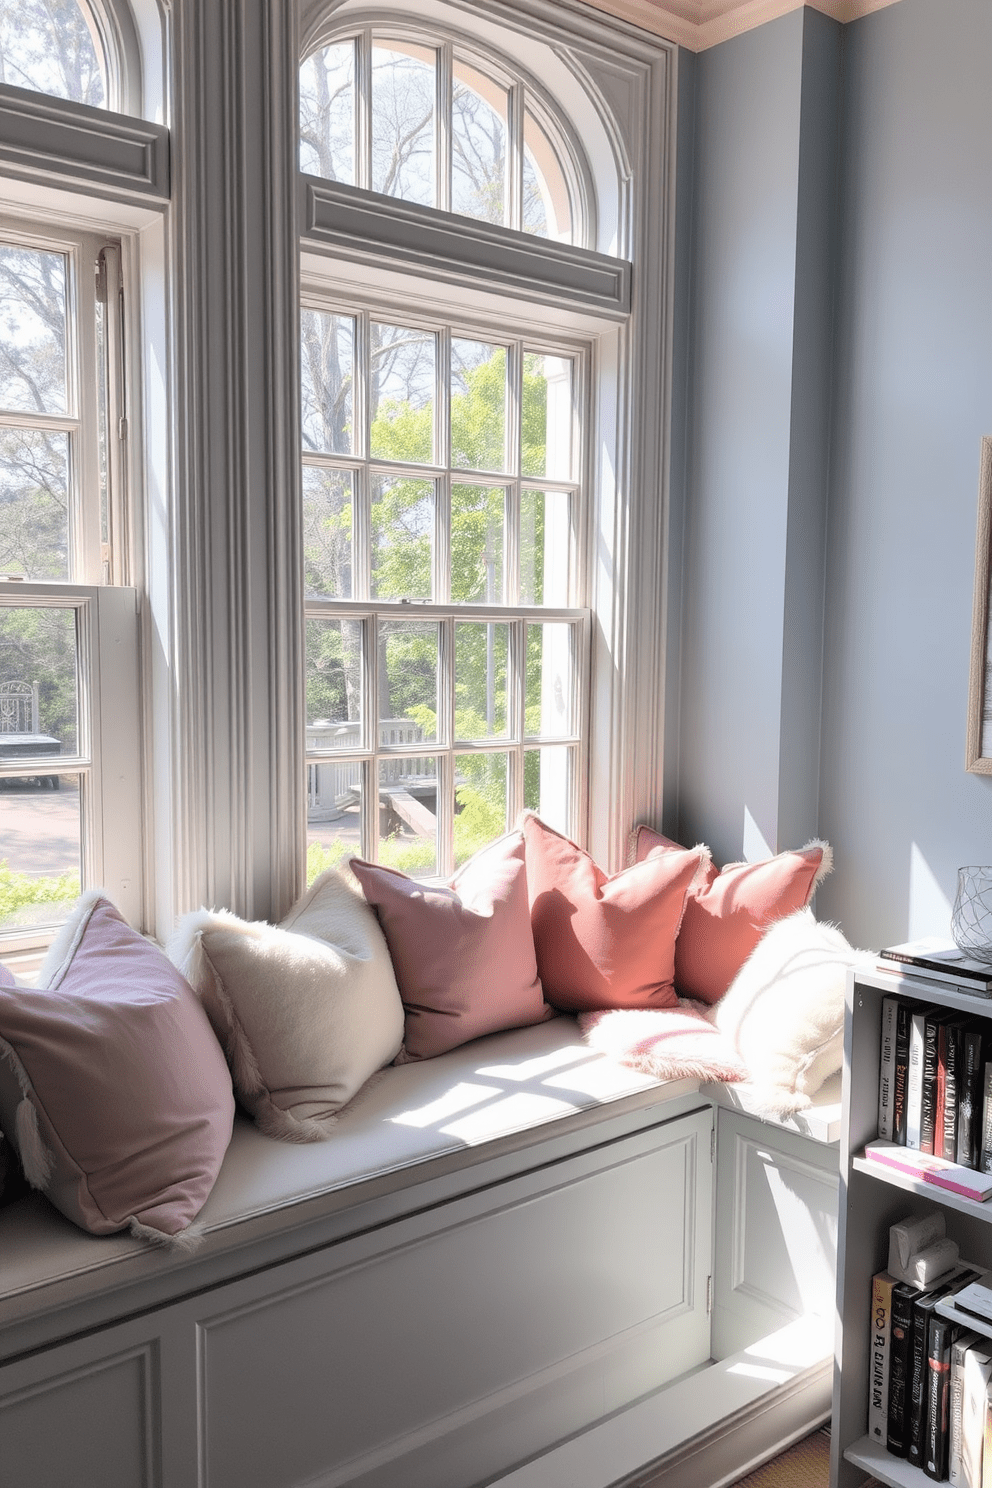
pixel 51 46
pixel 432 124
pixel 445 654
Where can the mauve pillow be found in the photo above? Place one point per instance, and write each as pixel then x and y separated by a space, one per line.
pixel 113 1087
pixel 307 1011
pixel 605 942
pixel 463 955
pixel 728 912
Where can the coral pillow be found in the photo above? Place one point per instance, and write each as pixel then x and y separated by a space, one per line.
pixel 784 1013
pixel 605 942
pixel 112 1085
pixel 464 955
pixel 307 1012
pixel 728 912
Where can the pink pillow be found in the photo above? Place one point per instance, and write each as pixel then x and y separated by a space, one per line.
pixel 728 912
pixel 605 942
pixel 463 955
pixel 112 1085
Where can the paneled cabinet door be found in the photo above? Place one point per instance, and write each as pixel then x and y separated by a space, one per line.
pixel 776 1228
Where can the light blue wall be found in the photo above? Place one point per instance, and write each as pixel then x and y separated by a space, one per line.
pixel 913 398
pixel 839 375
pixel 764 194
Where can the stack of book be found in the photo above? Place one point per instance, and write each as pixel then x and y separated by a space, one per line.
pixel 929 1381
pixel 935 1084
pixel 938 961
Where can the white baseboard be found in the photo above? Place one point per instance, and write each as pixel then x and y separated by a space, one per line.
pixel 705 1430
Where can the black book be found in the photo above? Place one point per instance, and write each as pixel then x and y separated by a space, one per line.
pixel 943 960
pixel 924 1305
pixel 950 1037
pixel 929 1109
pixel 900 1346
pixel 941 1335
pixel 971 1062
pixel 901 1072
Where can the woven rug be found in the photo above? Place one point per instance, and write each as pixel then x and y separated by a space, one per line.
pixel 806 1465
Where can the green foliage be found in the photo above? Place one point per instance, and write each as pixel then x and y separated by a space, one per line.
pixel 20 892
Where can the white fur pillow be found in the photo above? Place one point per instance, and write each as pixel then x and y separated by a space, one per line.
pixel 306 1012
pixel 784 1010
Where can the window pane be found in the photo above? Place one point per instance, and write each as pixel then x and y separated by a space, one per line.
pixel 408 815
pixel 481 656
pixel 480 801
pixel 547 416
pixel 402 393
pixel 335 792
pixel 548 777
pixel 334 684
pixel 478 145
pixel 32 330
pixel 39 709
pixel 478 405
pixel 545 523
pixel 39 849
pixel 327 356
pixel 34 503
pixel 49 47
pixel 402 537
pixel 328 532
pixel 407 699
pixel 547 207
pixel 327 113
pixel 549 689
pixel 478 525
pixel 404 86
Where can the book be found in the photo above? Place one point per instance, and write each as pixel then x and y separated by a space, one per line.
pixel 940 1172
pixel 930 1113
pixel 914 1080
pixel 887 1067
pixel 955 1459
pixel 939 956
pixel 918 976
pixel 985 1161
pixel 948 1056
pixel 900 1088
pixel 971 1062
pixel 940 1337
pixel 977 1371
pixel 878 1355
pixel 900 1345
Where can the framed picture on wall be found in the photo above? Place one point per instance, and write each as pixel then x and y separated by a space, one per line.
pixel 979 758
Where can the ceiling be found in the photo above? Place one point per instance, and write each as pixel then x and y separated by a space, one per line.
pixel 698 24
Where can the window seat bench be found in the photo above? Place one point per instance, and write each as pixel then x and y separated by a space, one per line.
pixel 495 1251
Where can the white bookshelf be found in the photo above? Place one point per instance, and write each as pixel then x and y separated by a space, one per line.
pixel 872 1198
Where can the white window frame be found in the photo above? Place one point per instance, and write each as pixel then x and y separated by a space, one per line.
pixel 96 588
pixel 445 613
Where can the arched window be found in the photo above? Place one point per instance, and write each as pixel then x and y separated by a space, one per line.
pixel 431 122
pixel 445 461
pixel 53 46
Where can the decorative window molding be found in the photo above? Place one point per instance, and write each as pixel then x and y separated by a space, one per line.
pixel 71 145
pixel 346 222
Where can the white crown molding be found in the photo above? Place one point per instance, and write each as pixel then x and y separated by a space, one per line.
pixel 699 24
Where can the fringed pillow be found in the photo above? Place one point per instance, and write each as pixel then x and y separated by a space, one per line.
pixel 113 1087
pixel 727 912
pixel 306 1011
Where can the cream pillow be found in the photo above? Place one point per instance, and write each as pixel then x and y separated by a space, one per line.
pixel 784 1010
pixel 306 1011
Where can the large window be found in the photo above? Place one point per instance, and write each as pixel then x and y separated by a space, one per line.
pixel 52 46
pixel 60 518
pixel 446 654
